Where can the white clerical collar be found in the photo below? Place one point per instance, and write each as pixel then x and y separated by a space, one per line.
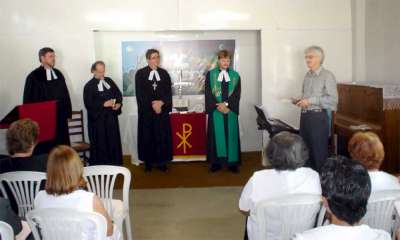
pixel 101 84
pixel 49 73
pixel 152 73
pixel 223 75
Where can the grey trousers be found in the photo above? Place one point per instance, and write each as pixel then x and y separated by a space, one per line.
pixel 314 129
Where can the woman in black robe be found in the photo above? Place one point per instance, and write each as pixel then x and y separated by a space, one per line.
pixel 154 100
pixel 103 102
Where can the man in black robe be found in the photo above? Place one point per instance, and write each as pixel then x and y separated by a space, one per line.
pixel 154 100
pixel 47 83
pixel 222 96
pixel 103 102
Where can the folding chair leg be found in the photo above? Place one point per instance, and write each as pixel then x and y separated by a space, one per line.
pixel 128 227
pixel 118 223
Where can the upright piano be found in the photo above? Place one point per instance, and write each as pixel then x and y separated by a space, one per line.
pixel 377 107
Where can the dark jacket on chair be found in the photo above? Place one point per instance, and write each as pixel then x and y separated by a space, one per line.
pixel 8 215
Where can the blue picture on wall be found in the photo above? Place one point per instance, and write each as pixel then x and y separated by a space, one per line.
pixel 187 61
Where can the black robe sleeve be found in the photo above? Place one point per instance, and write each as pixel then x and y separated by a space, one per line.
pixel 116 93
pixel 30 89
pixel 211 101
pixel 66 99
pixel 234 99
pixel 143 99
pixel 166 93
pixel 93 102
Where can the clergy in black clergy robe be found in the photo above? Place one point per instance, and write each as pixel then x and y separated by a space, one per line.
pixel 47 83
pixel 103 102
pixel 154 100
pixel 222 96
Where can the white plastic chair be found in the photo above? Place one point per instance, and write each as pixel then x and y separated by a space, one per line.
pixel 321 221
pixel 101 181
pixel 283 217
pixel 24 186
pixel 66 224
pixel 381 212
pixel 6 231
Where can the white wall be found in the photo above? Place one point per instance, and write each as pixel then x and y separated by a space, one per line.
pixel 376 45
pixel 358 30
pixel 382 35
pixel 287 27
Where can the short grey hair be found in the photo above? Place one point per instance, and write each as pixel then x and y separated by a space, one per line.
pixel 287 151
pixel 316 49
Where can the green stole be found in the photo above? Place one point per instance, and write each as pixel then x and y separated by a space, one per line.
pixel 218 117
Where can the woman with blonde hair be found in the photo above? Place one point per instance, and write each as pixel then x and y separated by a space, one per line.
pixel 367 148
pixel 65 186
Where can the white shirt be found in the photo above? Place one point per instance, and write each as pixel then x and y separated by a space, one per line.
pixel 336 232
pixel 383 181
pixel 80 200
pixel 267 184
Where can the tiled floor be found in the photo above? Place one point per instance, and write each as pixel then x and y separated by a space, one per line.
pixel 187 213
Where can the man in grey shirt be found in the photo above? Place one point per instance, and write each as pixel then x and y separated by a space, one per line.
pixel 318 100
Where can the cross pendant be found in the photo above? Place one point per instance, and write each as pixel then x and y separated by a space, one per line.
pixel 154 86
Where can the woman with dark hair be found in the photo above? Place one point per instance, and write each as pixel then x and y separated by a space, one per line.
pixel 22 137
pixel 103 102
pixel 367 148
pixel 346 188
pixel 287 154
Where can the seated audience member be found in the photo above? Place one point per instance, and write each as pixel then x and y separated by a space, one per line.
pixel 21 229
pixel 287 154
pixel 346 188
pixel 64 187
pixel 367 148
pixel 21 139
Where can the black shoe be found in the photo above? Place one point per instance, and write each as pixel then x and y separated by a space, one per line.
pixel 163 168
pixel 148 168
pixel 215 168
pixel 233 169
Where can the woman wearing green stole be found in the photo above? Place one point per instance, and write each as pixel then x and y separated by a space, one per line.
pixel 222 96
